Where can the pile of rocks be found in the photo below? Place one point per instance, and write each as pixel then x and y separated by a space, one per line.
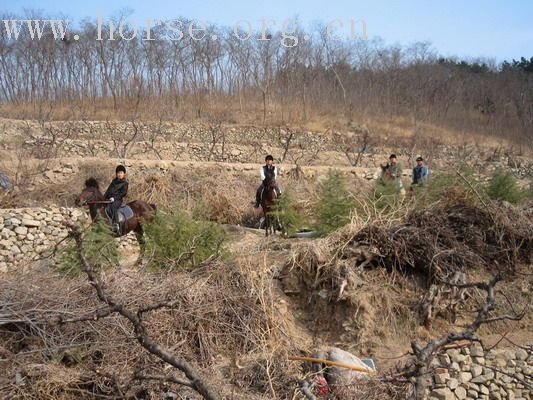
pixel 471 373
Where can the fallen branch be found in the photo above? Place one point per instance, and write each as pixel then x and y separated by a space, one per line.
pixel 196 382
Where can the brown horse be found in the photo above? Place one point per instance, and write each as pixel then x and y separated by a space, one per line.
pixel 142 211
pixel 267 202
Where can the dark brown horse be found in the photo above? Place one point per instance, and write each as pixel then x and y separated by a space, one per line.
pixel 142 211
pixel 267 202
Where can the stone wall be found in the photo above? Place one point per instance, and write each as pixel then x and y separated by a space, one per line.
pixel 27 233
pixel 471 373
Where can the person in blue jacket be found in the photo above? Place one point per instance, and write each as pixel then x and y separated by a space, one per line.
pixel 420 173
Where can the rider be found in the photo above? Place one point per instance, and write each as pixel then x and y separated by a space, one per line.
pixel 117 190
pixel 393 171
pixel 267 168
pixel 420 172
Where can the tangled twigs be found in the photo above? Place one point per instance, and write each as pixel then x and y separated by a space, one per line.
pixel 423 355
pixel 195 381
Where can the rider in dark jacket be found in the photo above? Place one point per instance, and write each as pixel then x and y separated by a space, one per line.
pixel 117 190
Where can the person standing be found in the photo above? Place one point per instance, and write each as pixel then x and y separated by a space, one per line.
pixel 420 173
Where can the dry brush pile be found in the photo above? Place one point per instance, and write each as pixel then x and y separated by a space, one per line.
pixel 59 342
pixel 389 274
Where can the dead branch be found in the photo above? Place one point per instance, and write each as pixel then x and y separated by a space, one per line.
pixel 141 334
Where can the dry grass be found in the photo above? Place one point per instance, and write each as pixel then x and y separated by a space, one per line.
pixel 224 321
pixel 372 278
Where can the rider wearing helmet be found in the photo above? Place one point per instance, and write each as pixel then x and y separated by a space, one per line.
pixel 268 168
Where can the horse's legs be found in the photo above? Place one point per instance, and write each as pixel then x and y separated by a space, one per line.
pixel 267 223
pixel 139 234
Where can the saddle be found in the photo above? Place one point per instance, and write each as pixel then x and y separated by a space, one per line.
pixel 124 213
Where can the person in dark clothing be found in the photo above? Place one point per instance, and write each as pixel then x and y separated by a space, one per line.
pixel 420 173
pixel 268 168
pixel 117 190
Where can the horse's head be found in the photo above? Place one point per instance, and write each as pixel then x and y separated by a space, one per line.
pixel 90 193
pixel 270 180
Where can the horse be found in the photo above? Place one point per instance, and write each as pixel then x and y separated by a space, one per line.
pixel 142 211
pixel 268 200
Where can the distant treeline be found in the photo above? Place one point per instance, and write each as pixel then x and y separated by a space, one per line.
pixel 191 79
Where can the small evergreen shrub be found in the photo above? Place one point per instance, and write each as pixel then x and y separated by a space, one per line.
pixel 177 240
pixel 101 250
pixel 334 204
pixel 452 188
pixel 385 196
pixel 503 186
pixel 286 213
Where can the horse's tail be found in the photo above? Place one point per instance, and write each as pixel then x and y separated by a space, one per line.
pixel 154 206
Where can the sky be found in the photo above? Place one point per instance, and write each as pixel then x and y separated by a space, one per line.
pixel 467 29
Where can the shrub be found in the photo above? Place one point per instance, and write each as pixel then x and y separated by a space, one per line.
pixel 460 187
pixel 385 196
pixel 334 205
pixel 101 249
pixel 503 186
pixel 177 240
pixel 286 213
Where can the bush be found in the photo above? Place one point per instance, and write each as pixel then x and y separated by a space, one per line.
pixel 286 213
pixel 177 240
pixel 452 188
pixel 386 196
pixel 334 205
pixel 503 186
pixel 101 249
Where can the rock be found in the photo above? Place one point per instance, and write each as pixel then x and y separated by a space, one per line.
pixel 472 386
pixel 483 389
pixel 442 394
pixel 338 375
pixel 495 396
pixel 501 363
pixel 6 244
pixel 464 377
pixel 476 370
pixel 455 367
pixel 442 378
pixel 21 230
pixel 15 221
pixel 460 393
pixel 459 358
pixel 483 378
pixel 30 223
pixel 521 355
pixel 453 383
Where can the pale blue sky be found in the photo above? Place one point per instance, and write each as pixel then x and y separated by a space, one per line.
pixel 467 29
